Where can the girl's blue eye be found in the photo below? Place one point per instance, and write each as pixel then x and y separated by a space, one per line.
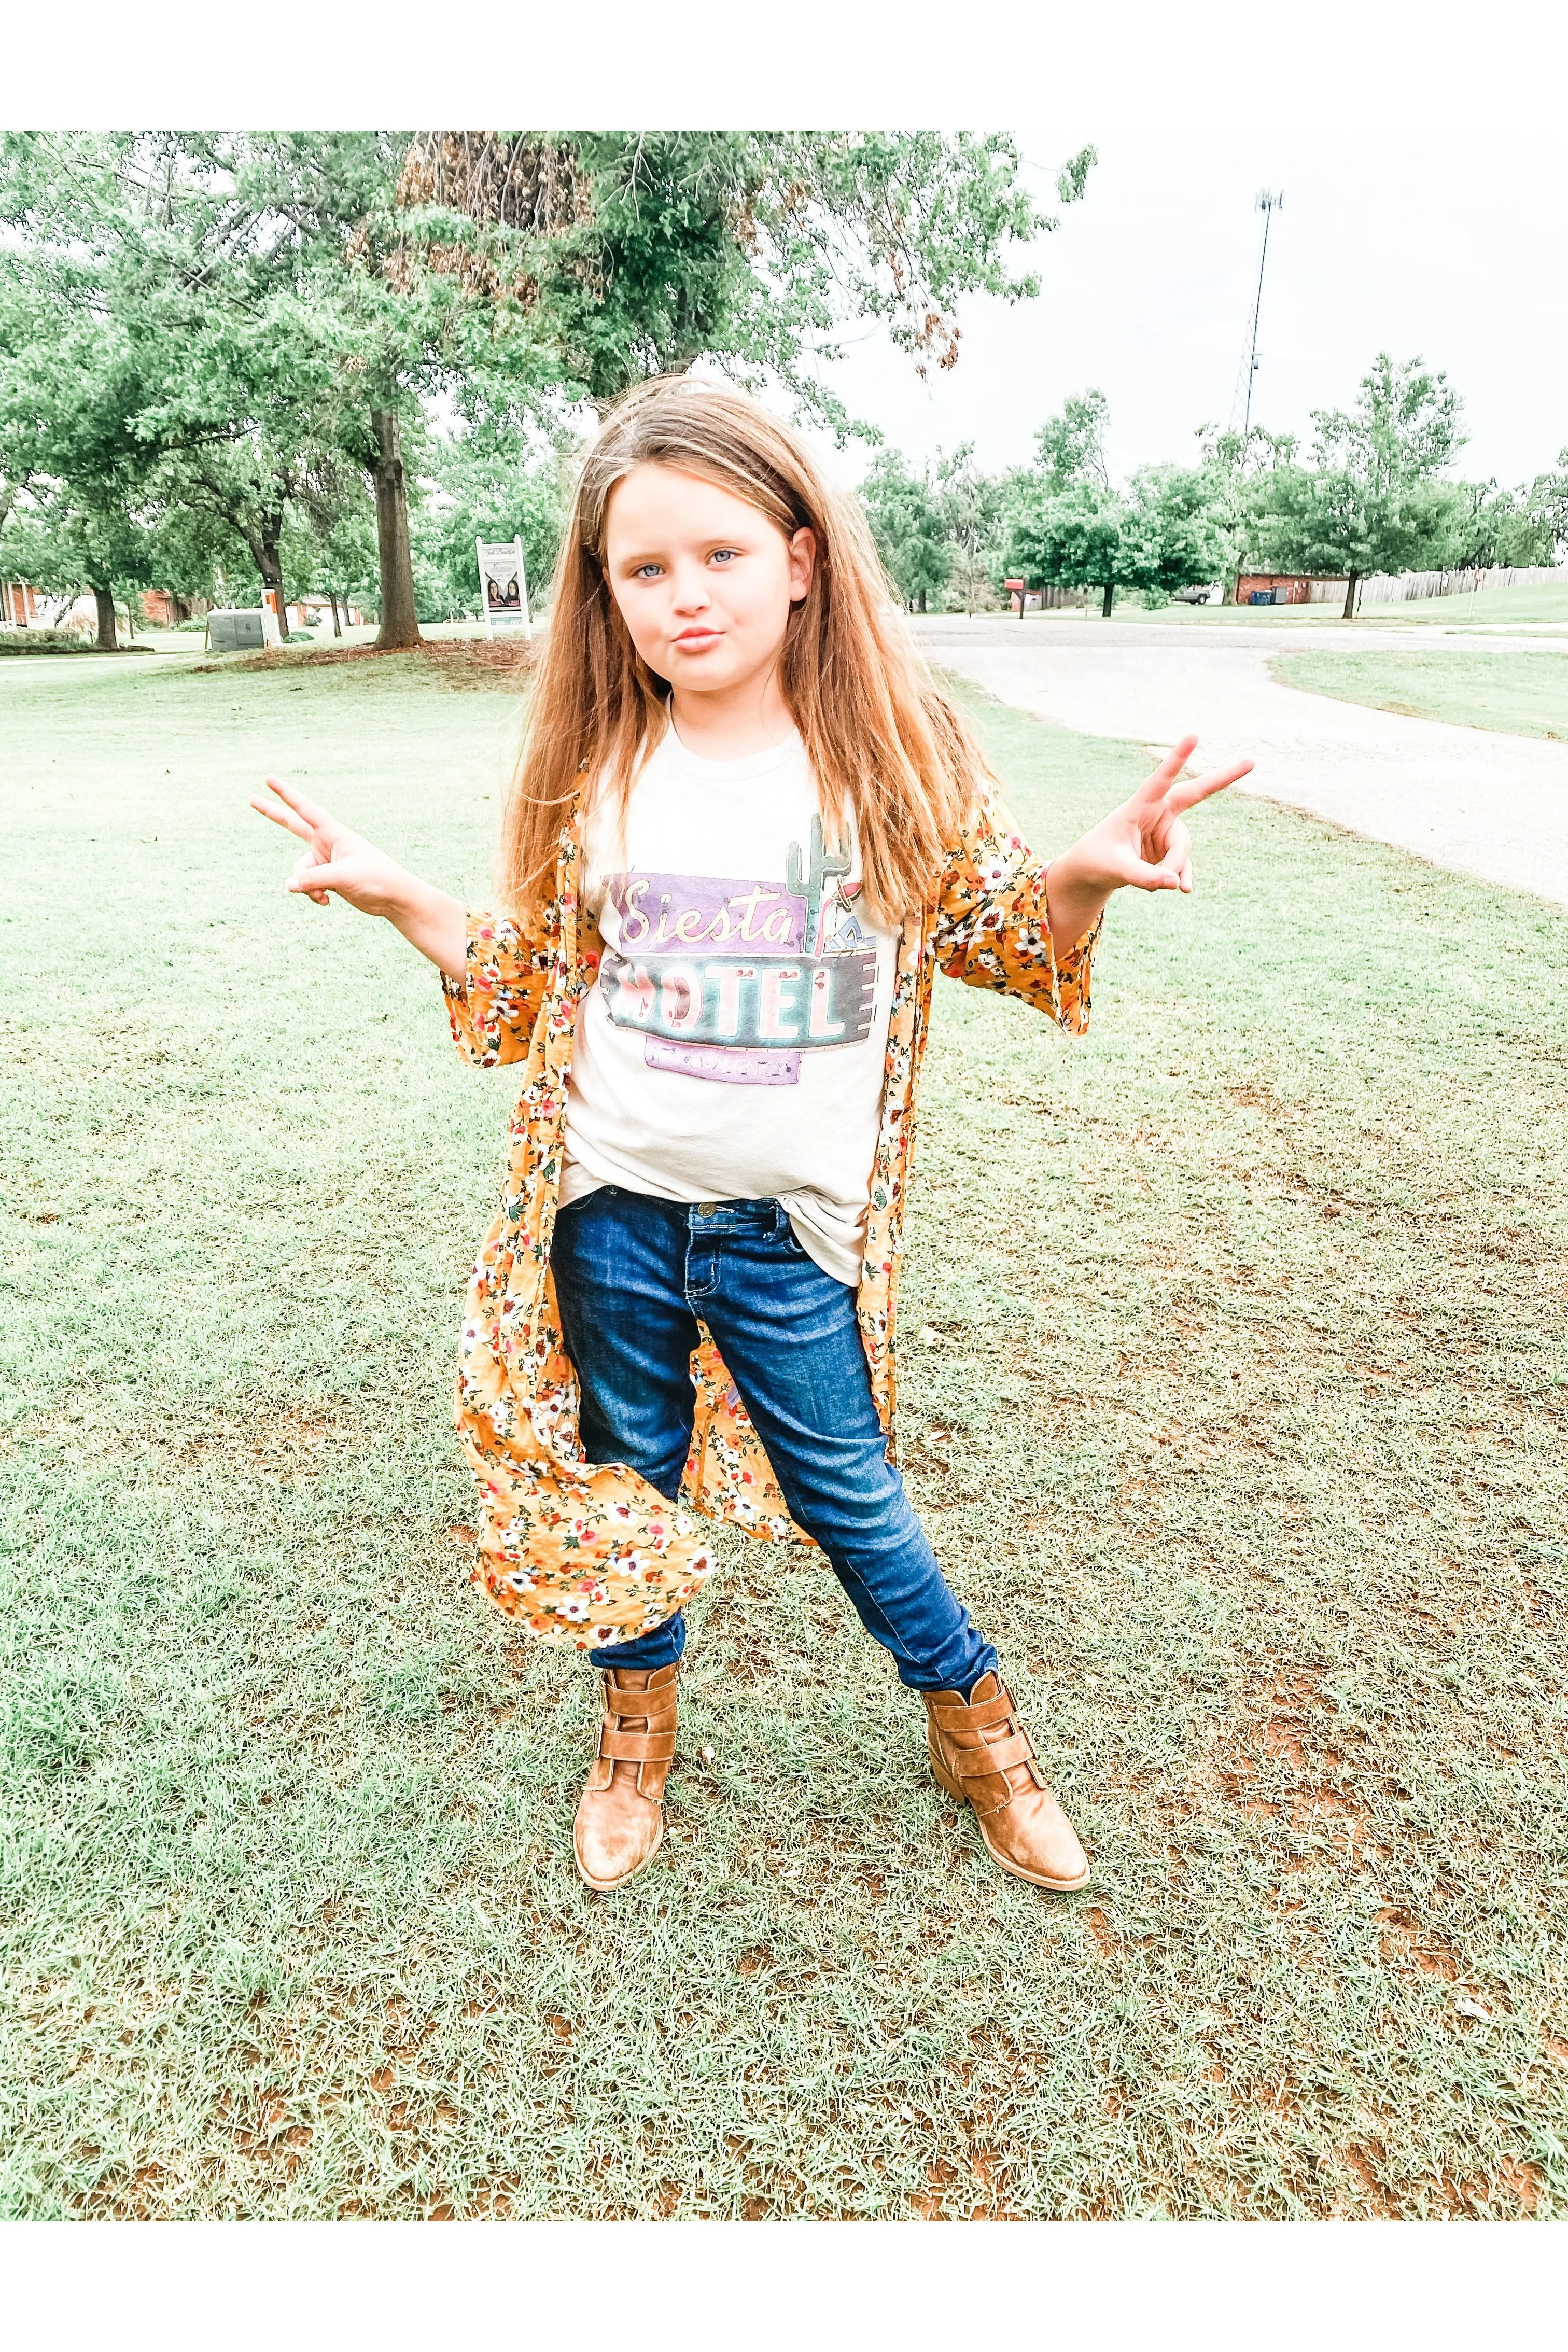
pixel 648 571
pixel 724 554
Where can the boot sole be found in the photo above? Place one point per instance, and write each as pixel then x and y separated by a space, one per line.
pixel 1013 1869
pixel 613 1885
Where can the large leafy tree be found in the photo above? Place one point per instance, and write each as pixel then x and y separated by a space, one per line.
pixel 1071 538
pixel 290 292
pixel 1069 528
pixel 1489 525
pixel 1547 502
pixel 1172 535
pixel 1070 446
pixel 490 482
pixel 72 469
pixel 629 254
pixel 907 524
pixel 1373 497
pixel 971 504
pixel 239 273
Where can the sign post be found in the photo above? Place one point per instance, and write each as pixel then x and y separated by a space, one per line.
pixel 503 591
pixel 271 621
pixel 1015 588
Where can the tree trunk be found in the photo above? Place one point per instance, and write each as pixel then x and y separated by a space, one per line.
pixel 923 600
pixel 337 624
pixel 1349 613
pixel 399 621
pixel 1107 600
pixel 108 634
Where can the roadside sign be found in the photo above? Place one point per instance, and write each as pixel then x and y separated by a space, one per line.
pixel 503 591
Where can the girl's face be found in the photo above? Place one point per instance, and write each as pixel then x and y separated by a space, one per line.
pixel 704 581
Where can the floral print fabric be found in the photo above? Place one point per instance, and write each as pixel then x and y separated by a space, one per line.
pixel 583 1553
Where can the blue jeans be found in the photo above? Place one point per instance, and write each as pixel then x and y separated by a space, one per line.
pixel 631 1276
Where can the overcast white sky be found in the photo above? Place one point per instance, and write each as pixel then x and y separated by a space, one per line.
pixel 1419 145
pixel 1148 286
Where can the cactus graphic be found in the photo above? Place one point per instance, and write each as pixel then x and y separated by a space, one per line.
pixel 825 867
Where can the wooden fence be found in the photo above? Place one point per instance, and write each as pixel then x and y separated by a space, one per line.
pixel 1407 587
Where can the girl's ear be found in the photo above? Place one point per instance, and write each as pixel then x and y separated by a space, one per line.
pixel 802 564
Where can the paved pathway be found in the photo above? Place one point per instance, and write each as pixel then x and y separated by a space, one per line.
pixel 1495 805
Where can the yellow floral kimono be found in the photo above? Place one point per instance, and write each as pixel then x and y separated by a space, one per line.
pixel 583 1554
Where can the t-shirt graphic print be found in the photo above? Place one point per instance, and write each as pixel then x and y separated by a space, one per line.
pixel 731 1045
pixel 733 981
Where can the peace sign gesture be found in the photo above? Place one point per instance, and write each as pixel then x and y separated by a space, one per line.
pixel 1142 845
pixel 338 859
pixel 335 858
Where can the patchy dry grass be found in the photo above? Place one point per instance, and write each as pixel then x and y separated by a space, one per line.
pixel 1238 1420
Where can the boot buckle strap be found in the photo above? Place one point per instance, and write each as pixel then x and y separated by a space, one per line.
pixel 637 1703
pixel 637 1747
pixel 989 1712
pixel 992 1757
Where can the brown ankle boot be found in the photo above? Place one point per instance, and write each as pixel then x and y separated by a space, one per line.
pixel 620 1816
pixel 981 1753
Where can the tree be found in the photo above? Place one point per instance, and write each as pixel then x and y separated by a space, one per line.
pixel 1372 499
pixel 341 564
pixel 1172 535
pixel 229 403
pixel 1238 466
pixel 1069 528
pixel 1068 539
pixel 491 482
pixel 971 506
pixel 251 276
pixel 623 255
pixel 74 470
pixel 1071 445
pixel 1489 525
pixel 907 524
pixel 252 494
pixel 1548 505
pixel 312 266
pixel 286 292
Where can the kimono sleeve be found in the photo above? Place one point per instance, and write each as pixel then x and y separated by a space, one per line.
pixel 993 929
pixel 494 1008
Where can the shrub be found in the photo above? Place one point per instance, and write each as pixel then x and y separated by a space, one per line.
pixel 44 641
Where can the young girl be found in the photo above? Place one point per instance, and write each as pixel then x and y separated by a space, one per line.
pixel 745 832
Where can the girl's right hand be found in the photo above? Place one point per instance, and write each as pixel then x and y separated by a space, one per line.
pixel 336 858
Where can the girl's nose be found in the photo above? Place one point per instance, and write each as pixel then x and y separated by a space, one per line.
pixel 691 590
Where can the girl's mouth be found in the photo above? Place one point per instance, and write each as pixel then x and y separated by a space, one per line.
pixel 693 641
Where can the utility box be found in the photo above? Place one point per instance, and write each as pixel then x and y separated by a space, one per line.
pixel 236 633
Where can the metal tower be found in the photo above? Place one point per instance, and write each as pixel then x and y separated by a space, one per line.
pixel 1269 203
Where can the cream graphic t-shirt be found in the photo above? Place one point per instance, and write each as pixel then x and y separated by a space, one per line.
pixel 732 1046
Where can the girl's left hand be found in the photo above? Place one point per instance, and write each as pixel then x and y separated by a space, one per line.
pixel 1142 845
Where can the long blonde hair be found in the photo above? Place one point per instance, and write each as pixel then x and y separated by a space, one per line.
pixel 883 742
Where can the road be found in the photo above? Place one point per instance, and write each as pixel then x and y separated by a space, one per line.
pixel 1494 805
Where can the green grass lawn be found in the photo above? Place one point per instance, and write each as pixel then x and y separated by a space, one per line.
pixel 1521 692
pixel 1543 604
pixel 1540 604
pixel 1239 1419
